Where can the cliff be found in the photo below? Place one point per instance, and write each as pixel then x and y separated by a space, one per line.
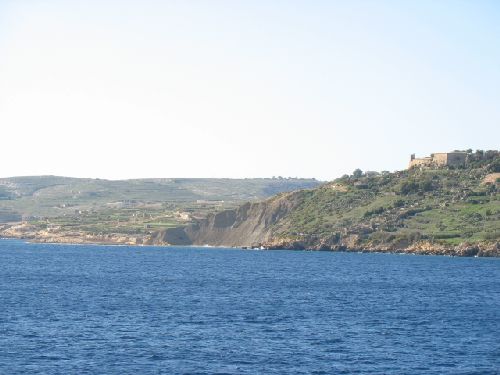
pixel 449 211
pixel 248 225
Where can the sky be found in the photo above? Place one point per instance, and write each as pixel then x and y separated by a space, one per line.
pixel 131 89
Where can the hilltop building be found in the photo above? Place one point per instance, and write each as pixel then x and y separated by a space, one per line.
pixel 441 159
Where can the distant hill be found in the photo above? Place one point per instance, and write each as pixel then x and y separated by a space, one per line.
pixel 439 210
pixel 51 196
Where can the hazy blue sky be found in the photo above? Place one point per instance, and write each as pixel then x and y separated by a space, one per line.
pixel 125 89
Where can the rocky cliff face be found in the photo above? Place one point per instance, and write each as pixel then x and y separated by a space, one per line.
pixel 249 225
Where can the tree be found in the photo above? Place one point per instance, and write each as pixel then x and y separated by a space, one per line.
pixel 494 167
pixel 357 173
pixel 426 185
pixel 408 187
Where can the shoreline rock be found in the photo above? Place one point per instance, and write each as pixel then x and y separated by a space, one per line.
pixel 483 249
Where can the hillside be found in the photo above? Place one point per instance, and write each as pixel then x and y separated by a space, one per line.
pixel 49 196
pixel 62 209
pixel 441 210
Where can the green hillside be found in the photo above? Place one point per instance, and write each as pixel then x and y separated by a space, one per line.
pixel 450 208
pixel 440 205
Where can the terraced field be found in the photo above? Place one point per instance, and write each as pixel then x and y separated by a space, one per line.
pixel 128 206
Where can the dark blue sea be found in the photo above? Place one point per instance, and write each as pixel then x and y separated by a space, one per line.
pixel 69 309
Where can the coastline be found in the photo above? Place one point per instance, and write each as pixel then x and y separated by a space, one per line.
pixel 486 250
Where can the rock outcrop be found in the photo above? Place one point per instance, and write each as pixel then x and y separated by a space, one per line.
pixel 249 225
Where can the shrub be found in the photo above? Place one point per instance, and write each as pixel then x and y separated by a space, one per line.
pixel 409 236
pixel 491 235
pixel 408 187
pixel 494 167
pixel 382 237
pixel 446 236
pixel 375 211
pixel 426 185
pixel 398 203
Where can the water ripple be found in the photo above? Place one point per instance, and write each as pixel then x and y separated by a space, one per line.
pixel 145 310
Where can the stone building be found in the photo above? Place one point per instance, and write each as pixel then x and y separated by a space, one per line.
pixel 441 159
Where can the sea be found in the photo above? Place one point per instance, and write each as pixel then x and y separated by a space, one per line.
pixel 88 309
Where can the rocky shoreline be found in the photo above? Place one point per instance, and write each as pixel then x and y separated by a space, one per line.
pixel 26 232
pixel 483 249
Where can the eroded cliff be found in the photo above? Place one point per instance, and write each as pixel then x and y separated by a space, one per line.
pixel 249 225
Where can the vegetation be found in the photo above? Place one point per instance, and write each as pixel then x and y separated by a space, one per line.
pixel 129 207
pixel 443 205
